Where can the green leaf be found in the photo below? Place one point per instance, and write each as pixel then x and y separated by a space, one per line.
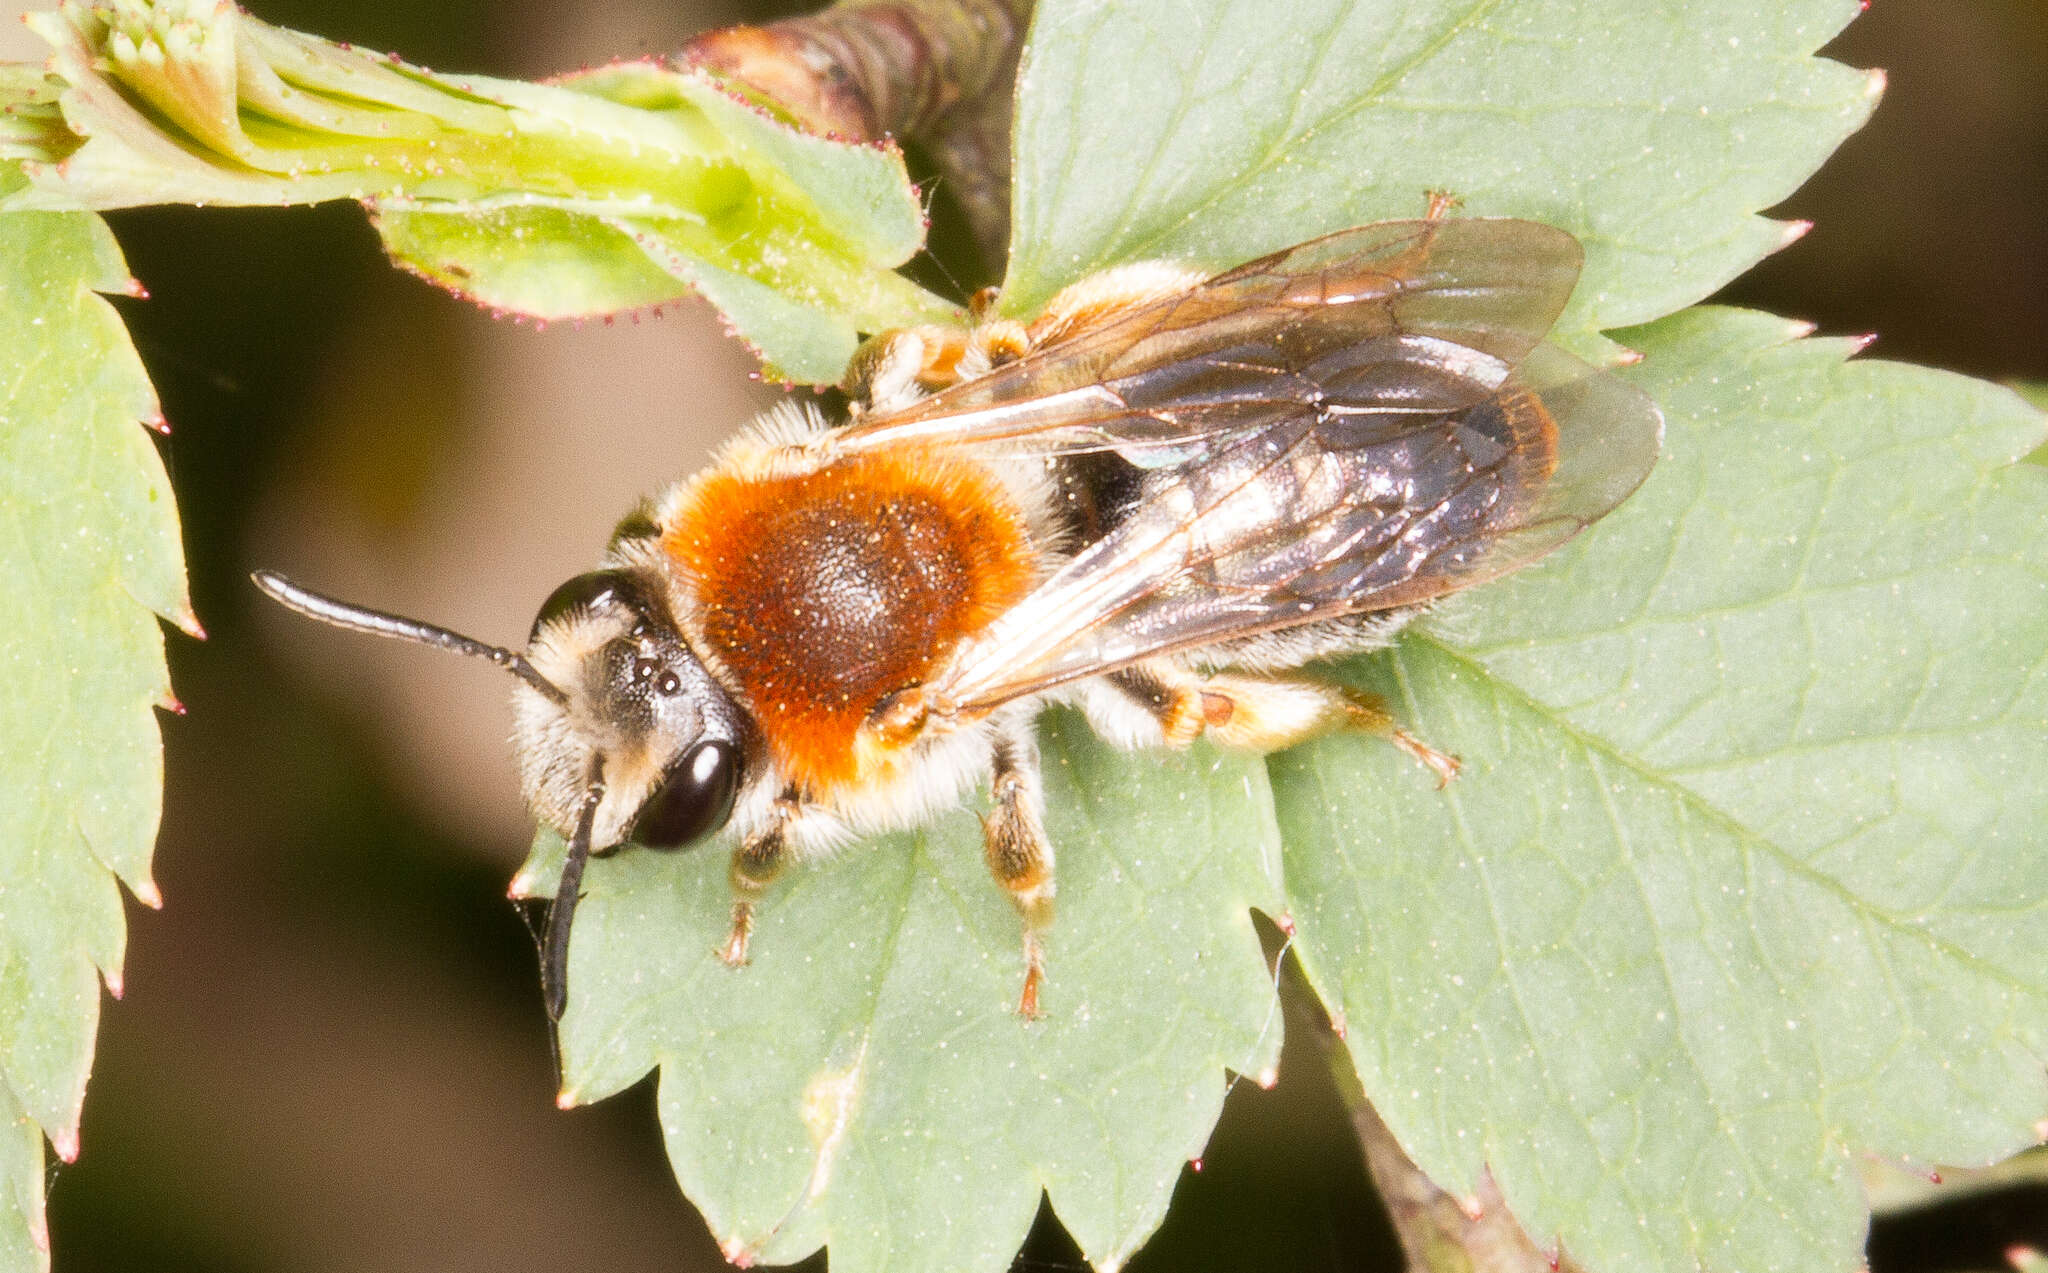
pixel 598 193
pixel 1892 1188
pixel 31 123
pixel 866 1080
pixel 1215 135
pixel 2038 395
pixel 24 1235
pixel 1217 132
pixel 89 549
pixel 1744 876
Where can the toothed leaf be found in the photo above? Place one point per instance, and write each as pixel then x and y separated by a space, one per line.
pixel 1216 132
pixel 603 192
pixel 90 550
pixel 1655 137
pixel 866 1081
pixel 1745 876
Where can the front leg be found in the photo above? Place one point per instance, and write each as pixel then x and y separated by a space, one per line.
pixel 1019 854
pixel 755 865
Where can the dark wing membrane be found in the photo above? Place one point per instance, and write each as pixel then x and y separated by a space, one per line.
pixel 1422 317
pixel 1314 517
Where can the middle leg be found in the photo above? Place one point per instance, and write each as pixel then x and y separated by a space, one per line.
pixel 1019 854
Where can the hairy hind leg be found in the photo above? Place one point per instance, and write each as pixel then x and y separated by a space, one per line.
pixel 1263 713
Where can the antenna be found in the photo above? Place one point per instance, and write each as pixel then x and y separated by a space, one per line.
pixel 377 623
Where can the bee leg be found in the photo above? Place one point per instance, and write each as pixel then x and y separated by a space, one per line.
pixel 1369 712
pixel 895 368
pixel 755 865
pixel 1271 714
pixel 1265 714
pixel 1170 697
pixel 1019 855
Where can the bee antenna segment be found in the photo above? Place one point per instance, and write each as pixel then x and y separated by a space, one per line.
pixel 377 623
pixel 554 963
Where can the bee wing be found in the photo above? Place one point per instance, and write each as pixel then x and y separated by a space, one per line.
pixel 1313 517
pixel 1417 316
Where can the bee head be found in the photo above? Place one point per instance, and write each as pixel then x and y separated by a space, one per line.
pixel 621 732
pixel 636 711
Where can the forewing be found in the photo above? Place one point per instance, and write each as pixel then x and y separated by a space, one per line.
pixel 1315 517
pixel 1419 317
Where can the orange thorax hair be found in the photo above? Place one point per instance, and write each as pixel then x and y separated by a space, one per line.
pixel 822 593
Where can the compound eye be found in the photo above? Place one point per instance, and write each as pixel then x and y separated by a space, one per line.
pixel 694 799
pixel 586 592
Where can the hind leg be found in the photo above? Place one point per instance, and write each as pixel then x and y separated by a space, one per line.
pixel 1262 714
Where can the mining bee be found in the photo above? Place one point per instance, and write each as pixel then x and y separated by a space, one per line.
pixel 1156 502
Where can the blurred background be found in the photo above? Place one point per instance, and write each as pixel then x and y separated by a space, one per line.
pixel 332 1054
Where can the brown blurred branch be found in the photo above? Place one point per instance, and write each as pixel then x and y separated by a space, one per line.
pixel 941 72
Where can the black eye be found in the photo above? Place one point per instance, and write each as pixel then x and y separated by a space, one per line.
pixel 694 799
pixel 584 592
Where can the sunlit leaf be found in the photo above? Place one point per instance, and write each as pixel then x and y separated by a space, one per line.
pixel 866 1080
pixel 1892 1187
pixel 2038 395
pixel 90 550
pixel 1219 131
pixel 1212 133
pixel 24 1236
pixel 1744 876
pixel 531 198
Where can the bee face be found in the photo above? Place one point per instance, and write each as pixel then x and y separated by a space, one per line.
pixel 638 713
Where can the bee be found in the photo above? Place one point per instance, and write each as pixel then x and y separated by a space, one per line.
pixel 1156 501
